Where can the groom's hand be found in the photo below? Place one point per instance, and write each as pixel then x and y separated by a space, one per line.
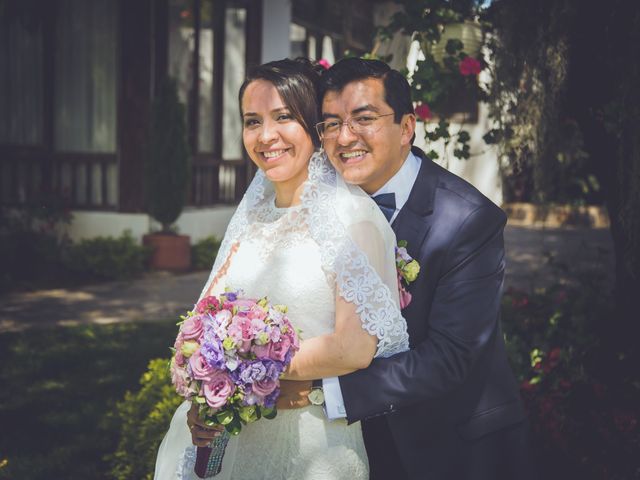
pixel 201 434
pixel 293 394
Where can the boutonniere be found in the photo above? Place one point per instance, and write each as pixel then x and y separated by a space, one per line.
pixel 408 270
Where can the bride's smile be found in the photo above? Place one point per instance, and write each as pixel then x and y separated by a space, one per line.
pixel 275 140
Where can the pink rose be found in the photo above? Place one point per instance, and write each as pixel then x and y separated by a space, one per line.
pixel 264 387
pixel 192 328
pixel 244 346
pixel 280 349
pixel 235 332
pixel 262 351
pixel 423 112
pixel 208 304
pixel 405 298
pixel 179 358
pixel 257 313
pixel 257 327
pixel 470 66
pixel 223 317
pixel 241 331
pixel 292 335
pixel 218 389
pixel 180 379
pixel 200 369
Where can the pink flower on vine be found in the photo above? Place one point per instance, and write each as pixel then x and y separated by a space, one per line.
pixel 470 66
pixel 423 112
pixel 324 63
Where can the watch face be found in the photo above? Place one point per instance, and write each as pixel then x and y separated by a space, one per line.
pixel 316 396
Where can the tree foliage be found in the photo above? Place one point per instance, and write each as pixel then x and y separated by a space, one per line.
pixel 167 166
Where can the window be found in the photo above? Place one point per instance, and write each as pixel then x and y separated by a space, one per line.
pixel 234 73
pixel 21 82
pixel 85 76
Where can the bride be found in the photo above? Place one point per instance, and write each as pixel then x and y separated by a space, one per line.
pixel 306 239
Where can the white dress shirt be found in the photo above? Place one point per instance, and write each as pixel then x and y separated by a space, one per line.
pixel 400 184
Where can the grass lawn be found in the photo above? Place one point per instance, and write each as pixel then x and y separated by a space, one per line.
pixel 59 390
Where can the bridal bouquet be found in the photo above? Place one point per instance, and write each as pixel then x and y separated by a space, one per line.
pixel 228 358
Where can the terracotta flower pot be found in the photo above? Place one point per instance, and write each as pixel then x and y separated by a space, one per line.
pixel 170 252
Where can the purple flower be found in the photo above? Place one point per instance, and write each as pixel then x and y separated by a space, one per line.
pixel 252 372
pixel 212 350
pixel 270 400
pixel 231 296
pixel 273 369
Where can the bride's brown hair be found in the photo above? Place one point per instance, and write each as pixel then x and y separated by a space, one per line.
pixel 298 84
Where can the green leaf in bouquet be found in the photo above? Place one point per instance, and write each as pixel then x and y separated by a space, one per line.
pixel 269 413
pixel 234 426
pixel 249 413
pixel 225 417
pixel 200 400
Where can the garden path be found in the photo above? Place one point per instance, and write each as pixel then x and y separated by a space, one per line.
pixel 162 295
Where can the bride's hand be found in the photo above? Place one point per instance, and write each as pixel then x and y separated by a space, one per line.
pixel 293 394
pixel 201 434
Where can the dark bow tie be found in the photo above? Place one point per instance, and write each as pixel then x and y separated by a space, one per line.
pixel 387 203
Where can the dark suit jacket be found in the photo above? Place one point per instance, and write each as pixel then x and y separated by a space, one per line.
pixel 449 408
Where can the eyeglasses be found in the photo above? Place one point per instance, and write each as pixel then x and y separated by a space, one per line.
pixel 360 124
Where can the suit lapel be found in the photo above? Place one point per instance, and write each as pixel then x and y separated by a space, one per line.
pixel 414 219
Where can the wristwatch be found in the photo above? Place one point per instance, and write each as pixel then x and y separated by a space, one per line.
pixel 316 395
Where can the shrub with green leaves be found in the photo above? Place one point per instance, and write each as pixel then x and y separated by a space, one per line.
pixel 167 166
pixel 204 252
pixel 580 390
pixel 109 257
pixel 144 417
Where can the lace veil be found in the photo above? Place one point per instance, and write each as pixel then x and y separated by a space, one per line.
pixel 354 238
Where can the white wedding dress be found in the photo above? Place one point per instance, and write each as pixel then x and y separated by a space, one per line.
pixel 281 254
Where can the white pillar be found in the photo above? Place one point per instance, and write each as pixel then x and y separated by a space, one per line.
pixel 276 22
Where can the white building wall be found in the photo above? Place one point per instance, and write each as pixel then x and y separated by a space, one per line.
pixel 276 23
pixel 198 223
pixel 481 170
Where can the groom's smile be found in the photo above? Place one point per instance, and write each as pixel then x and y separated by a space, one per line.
pixel 370 146
pixel 351 157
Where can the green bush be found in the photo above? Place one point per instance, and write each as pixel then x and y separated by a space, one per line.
pixel 144 417
pixel 64 383
pixel 204 252
pixel 33 242
pixel 581 392
pixel 167 166
pixel 108 257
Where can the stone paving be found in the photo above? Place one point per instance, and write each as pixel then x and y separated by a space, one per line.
pixel 162 295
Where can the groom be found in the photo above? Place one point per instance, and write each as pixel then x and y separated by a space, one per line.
pixel 449 408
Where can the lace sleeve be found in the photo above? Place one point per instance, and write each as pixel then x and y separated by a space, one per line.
pixel 365 277
pixel 357 249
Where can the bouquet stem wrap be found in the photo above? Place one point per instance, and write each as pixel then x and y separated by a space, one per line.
pixel 209 459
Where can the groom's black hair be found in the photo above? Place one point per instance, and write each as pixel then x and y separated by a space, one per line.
pixel 397 92
pixel 298 83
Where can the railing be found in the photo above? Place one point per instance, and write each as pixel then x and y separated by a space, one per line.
pixel 90 181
